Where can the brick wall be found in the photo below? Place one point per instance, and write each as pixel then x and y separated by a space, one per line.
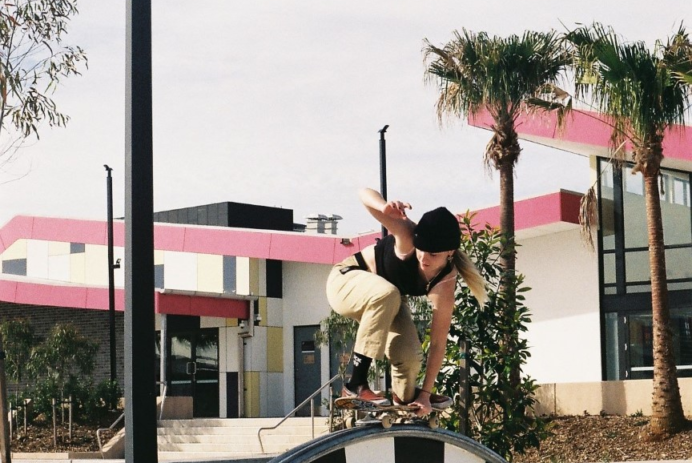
pixel 91 323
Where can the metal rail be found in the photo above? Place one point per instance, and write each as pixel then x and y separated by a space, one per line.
pixel 109 428
pixel 115 423
pixel 302 404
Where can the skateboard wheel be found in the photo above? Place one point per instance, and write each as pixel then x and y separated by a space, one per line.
pixel 387 421
pixel 350 421
pixel 433 422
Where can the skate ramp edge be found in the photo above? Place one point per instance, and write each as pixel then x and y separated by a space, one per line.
pixel 399 444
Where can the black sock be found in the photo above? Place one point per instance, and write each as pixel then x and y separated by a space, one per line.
pixel 359 371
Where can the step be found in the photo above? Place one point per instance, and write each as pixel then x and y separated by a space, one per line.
pixel 285 428
pixel 243 422
pixel 235 437
pixel 208 456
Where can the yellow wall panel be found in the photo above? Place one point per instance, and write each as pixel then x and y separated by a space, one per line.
pixel 252 394
pixel 16 251
pixel 275 350
pixel 253 272
pixel 231 322
pixel 210 273
pixel 78 268
pixel 58 248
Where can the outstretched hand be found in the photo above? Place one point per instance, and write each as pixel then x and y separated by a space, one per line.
pixel 396 209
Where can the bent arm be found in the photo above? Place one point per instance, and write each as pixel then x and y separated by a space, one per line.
pixel 392 215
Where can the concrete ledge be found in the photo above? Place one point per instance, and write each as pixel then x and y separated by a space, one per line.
pixel 611 397
pixel 58 456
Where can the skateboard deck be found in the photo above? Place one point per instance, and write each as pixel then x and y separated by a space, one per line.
pixel 386 415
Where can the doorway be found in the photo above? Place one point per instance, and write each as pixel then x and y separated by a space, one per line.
pixel 306 361
pixel 194 370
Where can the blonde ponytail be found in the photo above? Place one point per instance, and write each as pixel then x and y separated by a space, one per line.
pixel 472 277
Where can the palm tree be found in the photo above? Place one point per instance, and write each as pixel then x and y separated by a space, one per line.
pixel 642 94
pixel 506 77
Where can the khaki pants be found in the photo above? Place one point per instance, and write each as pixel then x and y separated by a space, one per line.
pixel 385 323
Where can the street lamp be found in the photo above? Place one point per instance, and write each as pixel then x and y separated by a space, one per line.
pixel 111 270
pixel 383 169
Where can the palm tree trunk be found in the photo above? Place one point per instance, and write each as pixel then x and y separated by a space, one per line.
pixel 508 257
pixel 667 414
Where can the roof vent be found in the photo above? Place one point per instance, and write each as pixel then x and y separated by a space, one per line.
pixel 320 223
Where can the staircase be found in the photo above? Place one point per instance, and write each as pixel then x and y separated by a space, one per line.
pixel 231 438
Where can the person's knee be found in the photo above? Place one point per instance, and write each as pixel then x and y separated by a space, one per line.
pixel 388 297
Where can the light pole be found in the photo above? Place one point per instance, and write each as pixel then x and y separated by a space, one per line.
pixel 383 192
pixel 111 270
pixel 383 169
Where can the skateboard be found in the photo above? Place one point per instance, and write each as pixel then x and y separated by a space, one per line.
pixel 386 415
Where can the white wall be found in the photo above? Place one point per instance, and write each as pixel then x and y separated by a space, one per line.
pixel 564 335
pixel 305 303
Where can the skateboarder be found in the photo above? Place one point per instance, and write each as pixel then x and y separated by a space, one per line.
pixel 413 259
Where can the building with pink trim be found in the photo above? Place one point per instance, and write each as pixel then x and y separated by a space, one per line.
pixel 237 306
pixel 592 310
pixel 238 303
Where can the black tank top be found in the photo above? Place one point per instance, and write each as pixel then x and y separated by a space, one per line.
pixel 403 273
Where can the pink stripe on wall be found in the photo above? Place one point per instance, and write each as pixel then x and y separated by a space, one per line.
pixel 18 292
pixel 69 230
pixel 534 212
pixel 588 128
pixel 228 242
pixel 261 244
pixel 79 297
pixel 17 228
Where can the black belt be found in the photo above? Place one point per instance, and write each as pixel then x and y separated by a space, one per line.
pixel 361 264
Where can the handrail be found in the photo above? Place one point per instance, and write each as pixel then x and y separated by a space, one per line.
pixel 302 404
pixel 115 423
pixel 109 428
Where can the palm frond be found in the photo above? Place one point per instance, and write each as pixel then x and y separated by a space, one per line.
pixel 477 72
pixel 640 92
pixel 588 217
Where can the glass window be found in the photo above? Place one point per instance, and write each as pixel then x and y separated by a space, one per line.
pixel 609 268
pixel 607 206
pixel 613 344
pixel 641 343
pixel 634 183
pixel 158 276
pixel 77 248
pixel 681 191
pixel 634 212
pixel 677 226
pixel 14 267
pixel 678 262
pixel 606 174
pixel 229 274
pixel 641 346
pixel 637 267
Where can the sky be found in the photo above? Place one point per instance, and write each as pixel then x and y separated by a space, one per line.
pixel 279 103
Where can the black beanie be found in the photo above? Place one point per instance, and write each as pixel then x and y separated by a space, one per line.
pixel 437 231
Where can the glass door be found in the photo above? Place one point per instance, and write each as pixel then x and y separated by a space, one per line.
pixel 194 370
